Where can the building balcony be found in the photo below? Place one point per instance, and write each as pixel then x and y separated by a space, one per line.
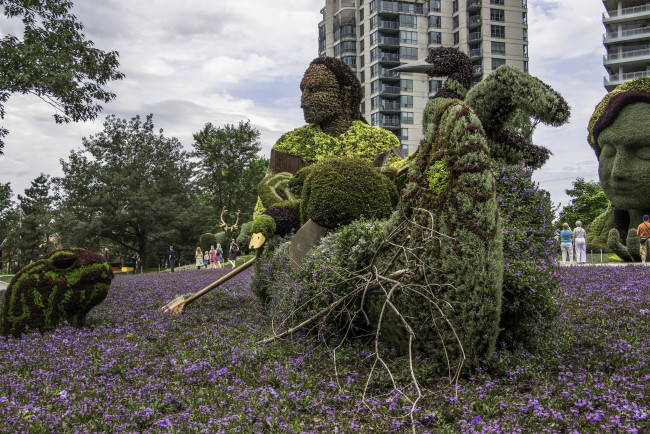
pixel 389 90
pixel 475 36
pixel 476 52
pixel 387 74
pixel 389 106
pixel 474 22
pixel 627 57
pixel 626 35
pixel 626 14
pixel 387 41
pixel 388 25
pixel 615 79
pixel 343 21
pixel 478 69
pixel 473 5
pixel 388 58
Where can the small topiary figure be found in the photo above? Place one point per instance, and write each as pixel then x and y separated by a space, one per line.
pixel 340 190
pixel 265 225
pixel 63 286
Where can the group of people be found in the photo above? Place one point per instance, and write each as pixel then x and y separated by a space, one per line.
pixel 213 257
pixel 577 239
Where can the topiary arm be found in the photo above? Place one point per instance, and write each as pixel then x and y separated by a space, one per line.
pixel 629 253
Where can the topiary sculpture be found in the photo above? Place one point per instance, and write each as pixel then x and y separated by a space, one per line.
pixel 63 286
pixel 285 220
pixel 620 137
pixel 265 225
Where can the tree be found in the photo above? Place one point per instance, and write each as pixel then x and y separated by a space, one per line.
pixel 8 222
pixel 54 61
pixel 230 167
pixel 588 202
pixel 129 186
pixel 36 220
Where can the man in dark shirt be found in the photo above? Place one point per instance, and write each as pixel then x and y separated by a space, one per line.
pixel 172 258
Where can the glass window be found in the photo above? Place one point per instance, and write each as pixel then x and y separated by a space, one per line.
pixel 363 107
pixel 526 66
pixel 374 21
pixel 455 22
pixel 408 21
pixel 497 31
pixel 374 37
pixel 361 46
pixel 454 6
pixel 525 50
pixel 524 18
pixel 408 37
pixel 497 62
pixel 362 60
pixel 373 6
pixel 373 119
pixel 345 47
pixel 499 48
pixel 435 38
pixel 374 69
pixel 375 102
pixel 435 22
pixel 408 52
pixel 407 117
pixel 403 133
pixel 406 85
pixel 524 3
pixel 350 61
pixel 321 45
pixel 525 34
pixel 374 86
pixel 456 38
pixel 434 5
pixel 406 101
pixel 362 76
pixel 361 14
pixel 497 15
pixel 496 2
pixel 361 30
pixel 435 85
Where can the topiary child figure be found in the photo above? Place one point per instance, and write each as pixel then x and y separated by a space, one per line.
pixel 63 286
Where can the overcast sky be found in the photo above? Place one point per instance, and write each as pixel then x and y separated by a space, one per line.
pixel 223 61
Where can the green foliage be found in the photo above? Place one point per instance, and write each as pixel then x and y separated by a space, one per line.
pixel 598 230
pixel 297 182
pixel 54 61
pixel 33 236
pixel 63 286
pixel 221 238
pixel 614 244
pixel 359 141
pixel 265 225
pixel 274 188
pixel 285 220
pixel 340 190
pixel 271 278
pixel 230 166
pixel 439 177
pixel 207 240
pixel 129 186
pixel 588 201
pixel 245 233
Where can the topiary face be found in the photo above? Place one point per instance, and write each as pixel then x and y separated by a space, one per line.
pixel 624 162
pixel 63 286
pixel 321 97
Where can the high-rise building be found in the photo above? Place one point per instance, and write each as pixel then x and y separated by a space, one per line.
pixel 627 40
pixel 374 36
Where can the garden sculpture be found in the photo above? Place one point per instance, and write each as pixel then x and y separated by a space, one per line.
pixel 228 230
pixel 61 287
pixel 619 133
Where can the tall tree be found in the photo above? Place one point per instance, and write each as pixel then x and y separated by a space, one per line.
pixel 54 61
pixel 130 186
pixel 36 220
pixel 230 167
pixel 588 200
pixel 8 220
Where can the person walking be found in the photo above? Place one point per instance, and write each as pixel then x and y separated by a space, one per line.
pixel 580 241
pixel 198 255
pixel 566 243
pixel 172 258
pixel 232 253
pixel 206 259
pixel 644 233
pixel 219 256
pixel 134 258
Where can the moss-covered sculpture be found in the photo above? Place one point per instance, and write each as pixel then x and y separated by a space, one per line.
pixel 265 225
pixel 285 219
pixel 63 286
pixel 206 241
pixel 619 133
pixel 340 190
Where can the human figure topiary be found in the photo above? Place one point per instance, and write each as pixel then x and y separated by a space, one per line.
pixel 63 286
pixel 620 137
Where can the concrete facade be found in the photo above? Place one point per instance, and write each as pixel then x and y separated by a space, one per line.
pixel 374 36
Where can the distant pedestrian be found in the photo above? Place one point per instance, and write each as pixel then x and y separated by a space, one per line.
pixel 219 255
pixel 566 243
pixel 172 258
pixel 198 255
pixel 232 253
pixel 134 258
pixel 206 259
pixel 580 241
pixel 644 233
pixel 213 257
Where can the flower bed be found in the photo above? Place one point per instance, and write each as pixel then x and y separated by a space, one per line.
pixel 133 368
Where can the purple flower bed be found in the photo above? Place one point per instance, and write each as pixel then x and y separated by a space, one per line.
pixel 135 369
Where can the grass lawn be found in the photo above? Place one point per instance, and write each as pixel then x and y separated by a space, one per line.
pixel 133 368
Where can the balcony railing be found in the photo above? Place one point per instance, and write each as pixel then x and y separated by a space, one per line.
pixel 476 36
pixel 628 54
pixel 473 20
pixel 389 106
pixel 385 73
pixel 388 57
pixel 478 69
pixel 388 122
pixel 628 76
pixel 626 34
pixel 472 4
pixel 627 11
pixel 389 90
pixel 385 40
pixel 392 25
pixel 476 52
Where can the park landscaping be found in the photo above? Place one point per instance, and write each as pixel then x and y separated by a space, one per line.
pixel 134 368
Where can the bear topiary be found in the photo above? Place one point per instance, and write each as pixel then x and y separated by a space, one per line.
pixel 285 220
pixel 340 190
pixel 63 286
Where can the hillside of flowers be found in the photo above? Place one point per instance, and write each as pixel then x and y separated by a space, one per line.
pixel 136 369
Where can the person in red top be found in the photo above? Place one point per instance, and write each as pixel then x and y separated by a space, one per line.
pixel 644 233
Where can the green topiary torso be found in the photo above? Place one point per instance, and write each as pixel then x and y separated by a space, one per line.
pixel 63 286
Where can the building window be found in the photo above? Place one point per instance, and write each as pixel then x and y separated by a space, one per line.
pixel 403 134
pixel 525 50
pixel 372 6
pixel 345 47
pixel 525 34
pixel 374 37
pixel 456 38
pixel 373 119
pixel 406 101
pixel 496 2
pixel 408 53
pixel 408 21
pixel 524 4
pixel 435 85
pixel 435 38
pixel 407 117
pixel 497 62
pixel 497 31
pixel 361 46
pixel 454 6
pixel 361 30
pixel 361 14
pixel 524 18
pixel 362 60
pixel 374 21
pixel 363 108
pixel 434 5
pixel 350 61
pixel 435 22
pixel 499 48
pixel 455 22
pixel 321 45
pixel 374 87
pixel 374 69
pixel 406 85
pixel 497 15
pixel 408 37
pixel 526 66
pixel 362 77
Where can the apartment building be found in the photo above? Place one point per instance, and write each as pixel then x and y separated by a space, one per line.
pixel 626 40
pixel 373 37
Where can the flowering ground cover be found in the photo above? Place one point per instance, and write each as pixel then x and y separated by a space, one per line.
pixel 135 369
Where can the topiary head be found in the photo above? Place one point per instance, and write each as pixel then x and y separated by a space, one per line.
pixel 285 220
pixel 449 62
pixel 264 225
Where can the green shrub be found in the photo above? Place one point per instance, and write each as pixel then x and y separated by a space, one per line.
pixel 221 238
pixel 207 240
pixel 340 190
pixel 265 225
pixel 63 286
pixel 285 220
pixel 245 234
pixel 274 188
pixel 292 205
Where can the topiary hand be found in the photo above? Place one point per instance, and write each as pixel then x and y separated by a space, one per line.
pixel 629 252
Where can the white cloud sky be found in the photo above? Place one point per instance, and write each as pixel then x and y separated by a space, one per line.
pixel 194 62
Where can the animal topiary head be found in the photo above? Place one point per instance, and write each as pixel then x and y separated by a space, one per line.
pixel 264 225
pixel 63 286
pixel 449 62
pixel 341 190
